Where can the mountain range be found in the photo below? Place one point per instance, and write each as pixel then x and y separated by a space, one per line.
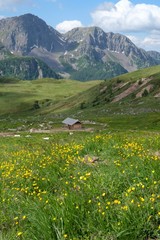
pixel 28 46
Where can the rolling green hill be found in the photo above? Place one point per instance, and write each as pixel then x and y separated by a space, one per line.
pixel 130 101
pixel 28 97
pixel 136 90
pixel 128 89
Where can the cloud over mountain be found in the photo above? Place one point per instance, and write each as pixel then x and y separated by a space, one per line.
pixel 126 16
pixel 66 26
pixel 150 41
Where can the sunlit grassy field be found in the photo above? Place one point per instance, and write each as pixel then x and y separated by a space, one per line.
pixel 19 96
pixel 51 187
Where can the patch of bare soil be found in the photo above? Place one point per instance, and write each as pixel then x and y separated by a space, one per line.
pixel 120 85
pixel 55 130
pixel 148 88
pixel 127 92
pixel 135 86
pixel 157 95
pixel 157 154
pixel 6 134
pixel 103 89
pixel 34 130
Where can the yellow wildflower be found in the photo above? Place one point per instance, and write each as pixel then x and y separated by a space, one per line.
pixel 19 234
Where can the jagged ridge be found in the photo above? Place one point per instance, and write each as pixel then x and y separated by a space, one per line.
pixel 82 53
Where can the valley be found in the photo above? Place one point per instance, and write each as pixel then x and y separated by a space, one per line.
pixel 50 180
pixel 95 183
pixel 127 101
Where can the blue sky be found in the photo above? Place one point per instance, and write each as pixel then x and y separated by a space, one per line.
pixel 139 20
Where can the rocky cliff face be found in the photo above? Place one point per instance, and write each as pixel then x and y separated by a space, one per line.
pixel 4 52
pixel 82 53
pixel 155 55
pixel 107 47
pixel 91 48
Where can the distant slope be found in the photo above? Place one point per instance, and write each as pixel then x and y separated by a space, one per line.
pixel 130 93
pixel 130 101
pixel 25 68
pixel 129 87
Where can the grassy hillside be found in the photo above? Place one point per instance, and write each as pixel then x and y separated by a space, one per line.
pixel 26 96
pixel 130 101
pixel 129 88
pixel 132 91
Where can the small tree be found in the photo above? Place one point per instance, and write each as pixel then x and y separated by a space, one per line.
pixel 145 93
pixel 82 105
pixel 36 105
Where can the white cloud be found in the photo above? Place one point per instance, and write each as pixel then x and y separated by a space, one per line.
pixel 149 42
pixel 126 17
pixel 66 26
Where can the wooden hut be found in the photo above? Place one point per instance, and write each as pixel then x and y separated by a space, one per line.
pixel 72 124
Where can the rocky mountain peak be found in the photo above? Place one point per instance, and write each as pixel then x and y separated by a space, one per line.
pixel 92 35
pixel 84 52
pixel 22 34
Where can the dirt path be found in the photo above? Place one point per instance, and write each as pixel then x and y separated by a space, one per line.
pixel 56 130
pixel 6 134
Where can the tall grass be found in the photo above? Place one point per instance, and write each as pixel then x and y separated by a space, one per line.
pixel 52 189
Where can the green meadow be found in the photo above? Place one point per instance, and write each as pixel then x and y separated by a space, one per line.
pixel 19 97
pixel 99 183
pixel 80 186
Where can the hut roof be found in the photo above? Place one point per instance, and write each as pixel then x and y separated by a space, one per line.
pixel 70 121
